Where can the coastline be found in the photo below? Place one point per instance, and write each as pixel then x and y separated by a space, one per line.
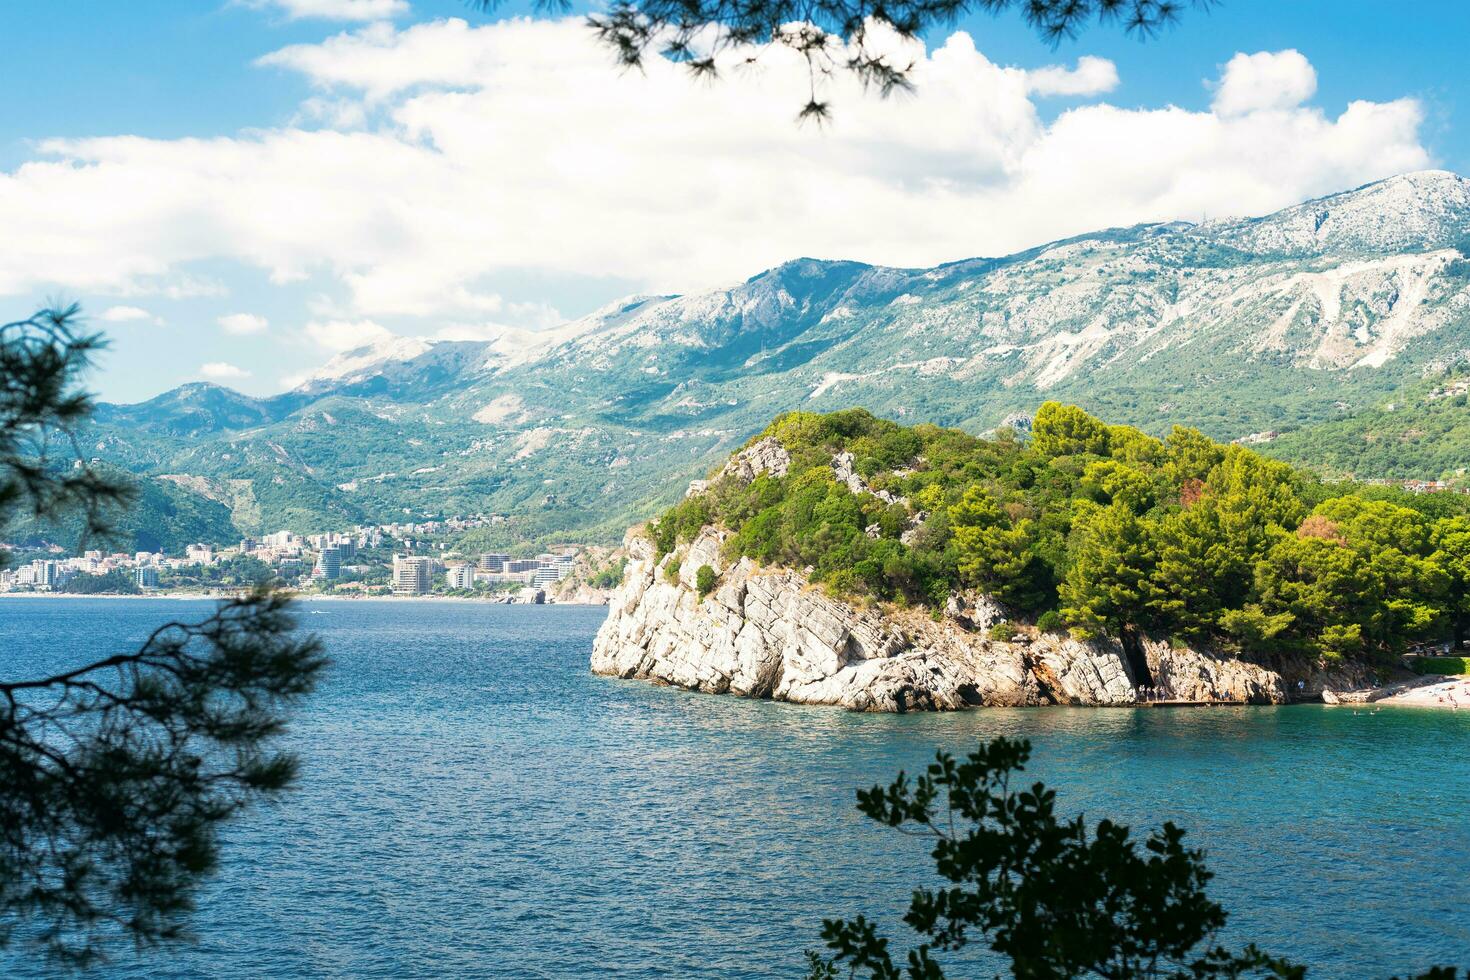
pixel 1434 692
pixel 218 596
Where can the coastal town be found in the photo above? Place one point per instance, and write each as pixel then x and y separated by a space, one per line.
pixel 397 559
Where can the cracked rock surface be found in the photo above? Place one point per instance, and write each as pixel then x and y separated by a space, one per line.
pixel 768 633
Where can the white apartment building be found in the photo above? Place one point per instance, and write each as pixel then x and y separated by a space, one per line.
pixel 412 574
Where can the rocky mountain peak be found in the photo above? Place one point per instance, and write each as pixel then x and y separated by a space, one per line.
pixel 350 365
pixel 1420 211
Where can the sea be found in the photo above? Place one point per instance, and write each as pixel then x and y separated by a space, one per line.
pixel 473 802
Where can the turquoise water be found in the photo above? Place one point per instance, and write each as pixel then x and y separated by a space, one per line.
pixel 475 804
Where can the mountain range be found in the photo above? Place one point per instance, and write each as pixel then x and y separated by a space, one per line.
pixel 1309 316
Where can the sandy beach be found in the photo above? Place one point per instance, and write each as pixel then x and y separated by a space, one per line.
pixel 1451 693
pixel 1430 691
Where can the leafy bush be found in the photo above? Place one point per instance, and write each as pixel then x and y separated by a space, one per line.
pixel 671 572
pixel 704 579
pixel 609 576
pixel 1050 622
pixel 1452 666
pixel 1003 632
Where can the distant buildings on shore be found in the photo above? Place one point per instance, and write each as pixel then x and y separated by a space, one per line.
pixel 54 574
pixel 544 569
pixel 414 575
pixel 320 559
pixel 460 576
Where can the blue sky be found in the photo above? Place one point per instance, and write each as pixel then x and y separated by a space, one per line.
pixel 421 178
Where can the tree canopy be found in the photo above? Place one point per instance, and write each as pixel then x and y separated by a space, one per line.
pixel 1103 529
pixel 834 35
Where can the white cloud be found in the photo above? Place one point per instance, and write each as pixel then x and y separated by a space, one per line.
pixel 334 9
pixel 380 60
pixel 515 147
pixel 1267 80
pixel 124 314
pixel 340 335
pixel 1092 76
pixel 243 323
pixel 221 371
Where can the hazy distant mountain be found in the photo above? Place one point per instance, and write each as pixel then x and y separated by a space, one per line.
pixel 1235 326
pixel 197 409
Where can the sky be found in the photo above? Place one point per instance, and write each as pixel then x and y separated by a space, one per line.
pixel 238 190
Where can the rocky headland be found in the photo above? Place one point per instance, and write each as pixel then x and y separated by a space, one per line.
pixel 768 633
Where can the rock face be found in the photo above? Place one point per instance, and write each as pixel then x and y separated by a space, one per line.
pixel 1186 674
pixel 845 473
pixel 763 456
pixel 767 633
pixel 581 594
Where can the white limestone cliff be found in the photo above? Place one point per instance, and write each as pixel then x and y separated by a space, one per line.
pixel 769 633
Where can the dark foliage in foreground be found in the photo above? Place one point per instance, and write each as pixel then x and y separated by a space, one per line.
pixel 43 472
pixel 116 776
pixel 834 35
pixel 1051 898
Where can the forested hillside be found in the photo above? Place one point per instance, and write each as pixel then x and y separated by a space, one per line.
pixel 1421 433
pixel 1098 528
pixel 162 516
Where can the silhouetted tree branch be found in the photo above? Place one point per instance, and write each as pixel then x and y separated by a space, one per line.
pixel 42 467
pixel 115 776
pixel 834 35
pixel 1053 899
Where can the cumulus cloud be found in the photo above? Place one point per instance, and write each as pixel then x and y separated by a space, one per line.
pixel 340 335
pixel 471 153
pixel 1264 81
pixel 333 9
pixel 124 314
pixel 241 324
pixel 222 371
pixel 1091 76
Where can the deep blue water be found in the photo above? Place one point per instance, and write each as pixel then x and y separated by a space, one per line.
pixel 475 804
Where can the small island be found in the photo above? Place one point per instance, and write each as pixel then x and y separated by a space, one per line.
pixel 845 559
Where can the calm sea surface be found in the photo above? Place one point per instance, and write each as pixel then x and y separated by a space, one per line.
pixel 475 804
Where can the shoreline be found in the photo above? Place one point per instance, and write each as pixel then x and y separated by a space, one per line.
pixel 220 596
pixel 1440 692
pixel 1434 692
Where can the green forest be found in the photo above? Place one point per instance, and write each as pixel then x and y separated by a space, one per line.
pixel 1101 528
pixel 1423 433
pixel 159 516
